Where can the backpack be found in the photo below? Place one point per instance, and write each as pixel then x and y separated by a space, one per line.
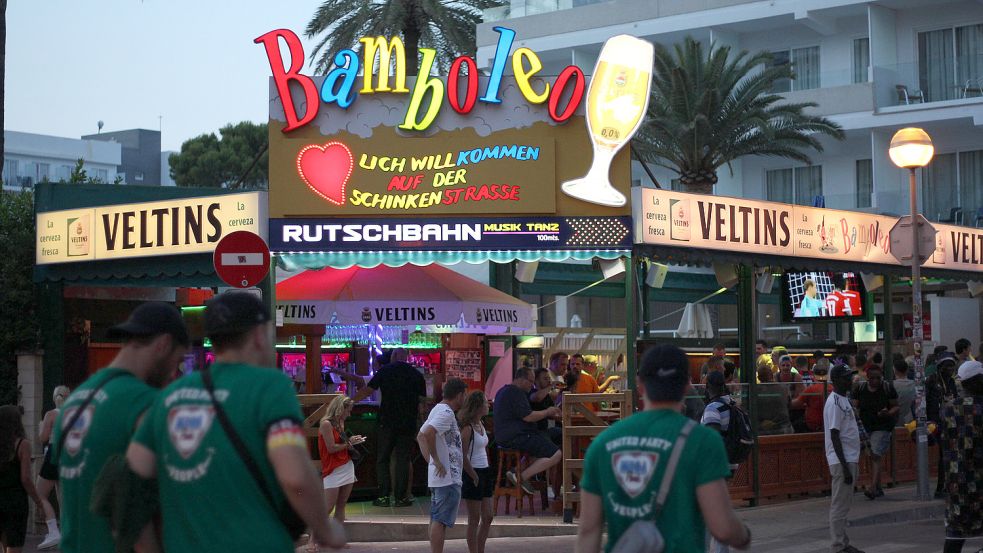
pixel 738 440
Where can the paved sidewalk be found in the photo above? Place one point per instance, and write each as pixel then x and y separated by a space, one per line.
pixel 769 523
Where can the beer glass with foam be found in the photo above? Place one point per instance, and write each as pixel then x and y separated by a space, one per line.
pixel 616 103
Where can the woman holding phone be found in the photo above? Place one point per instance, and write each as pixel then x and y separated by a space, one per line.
pixel 337 468
pixel 479 481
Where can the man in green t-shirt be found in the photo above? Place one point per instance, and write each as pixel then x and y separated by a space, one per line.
pixel 154 341
pixel 209 499
pixel 624 466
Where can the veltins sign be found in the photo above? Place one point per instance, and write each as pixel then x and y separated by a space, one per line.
pixel 735 224
pixel 678 219
pixel 186 225
pixel 403 313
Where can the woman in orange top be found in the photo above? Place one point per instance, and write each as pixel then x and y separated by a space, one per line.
pixel 337 468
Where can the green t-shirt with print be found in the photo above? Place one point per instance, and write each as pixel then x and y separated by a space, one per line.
pixel 103 430
pixel 209 500
pixel 624 466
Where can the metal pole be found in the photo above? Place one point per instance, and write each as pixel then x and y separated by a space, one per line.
pixel 917 335
pixel 746 335
pixel 631 316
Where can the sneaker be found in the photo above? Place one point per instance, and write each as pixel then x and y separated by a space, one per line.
pixel 50 541
pixel 510 476
pixel 880 491
pixel 851 549
pixel 405 502
pixel 381 502
pixel 871 495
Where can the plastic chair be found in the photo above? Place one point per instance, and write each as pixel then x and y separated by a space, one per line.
pixel 914 96
pixel 972 86
pixel 955 216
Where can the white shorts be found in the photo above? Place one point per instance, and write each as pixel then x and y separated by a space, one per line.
pixel 341 476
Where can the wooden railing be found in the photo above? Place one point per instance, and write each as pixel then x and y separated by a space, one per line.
pixel 580 426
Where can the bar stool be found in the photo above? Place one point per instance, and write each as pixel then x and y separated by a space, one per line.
pixel 511 459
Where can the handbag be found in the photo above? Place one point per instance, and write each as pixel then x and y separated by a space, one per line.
pixel 643 536
pixel 357 453
pixel 288 516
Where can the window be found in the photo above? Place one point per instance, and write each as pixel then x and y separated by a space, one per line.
pixel 805 65
pixel 799 185
pixel 138 176
pixel 9 171
pixel 676 185
pixel 949 61
pixel 101 175
pixel 953 180
pixel 44 172
pixel 861 60
pixel 865 182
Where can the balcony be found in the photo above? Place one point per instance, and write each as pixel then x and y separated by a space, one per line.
pixel 909 86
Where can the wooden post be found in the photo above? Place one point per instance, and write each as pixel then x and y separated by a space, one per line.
pixel 313 351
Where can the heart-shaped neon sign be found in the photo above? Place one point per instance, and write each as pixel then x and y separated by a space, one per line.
pixel 326 170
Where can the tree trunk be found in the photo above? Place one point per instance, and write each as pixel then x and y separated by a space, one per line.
pixel 699 187
pixel 412 37
pixel 3 67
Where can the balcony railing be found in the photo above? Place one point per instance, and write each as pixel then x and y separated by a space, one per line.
pixel 928 82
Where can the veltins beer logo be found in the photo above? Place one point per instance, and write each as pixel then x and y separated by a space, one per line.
pixel 78 236
pixel 187 426
pixel 366 315
pixel 634 470
pixel 73 441
pixel 679 220
pixel 478 317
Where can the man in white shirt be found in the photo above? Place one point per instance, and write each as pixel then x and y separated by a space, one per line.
pixel 842 454
pixel 440 444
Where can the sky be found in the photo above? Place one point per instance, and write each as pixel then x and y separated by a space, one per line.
pixel 187 67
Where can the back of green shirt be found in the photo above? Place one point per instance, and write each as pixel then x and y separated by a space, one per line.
pixel 104 429
pixel 209 501
pixel 625 464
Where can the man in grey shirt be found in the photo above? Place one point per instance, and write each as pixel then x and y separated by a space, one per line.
pixel 906 390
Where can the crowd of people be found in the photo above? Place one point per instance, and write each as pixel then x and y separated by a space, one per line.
pixel 146 459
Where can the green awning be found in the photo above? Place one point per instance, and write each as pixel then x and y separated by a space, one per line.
pixel 188 270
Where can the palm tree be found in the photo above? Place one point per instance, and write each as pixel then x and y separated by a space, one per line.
pixel 707 110
pixel 445 25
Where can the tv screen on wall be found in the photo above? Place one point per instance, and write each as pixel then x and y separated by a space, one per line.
pixel 823 296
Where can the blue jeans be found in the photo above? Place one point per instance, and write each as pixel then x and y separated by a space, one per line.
pixel 444 504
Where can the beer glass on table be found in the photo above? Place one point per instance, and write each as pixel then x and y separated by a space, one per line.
pixel 616 103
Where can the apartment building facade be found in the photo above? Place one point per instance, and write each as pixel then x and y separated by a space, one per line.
pixel 30 158
pixel 873 67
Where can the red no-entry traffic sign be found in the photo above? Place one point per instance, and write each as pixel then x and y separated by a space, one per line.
pixel 241 259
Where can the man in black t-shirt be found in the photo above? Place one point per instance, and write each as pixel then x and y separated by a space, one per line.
pixel 515 427
pixel 877 402
pixel 402 388
pixel 540 399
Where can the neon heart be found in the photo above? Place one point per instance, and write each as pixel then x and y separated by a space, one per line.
pixel 326 170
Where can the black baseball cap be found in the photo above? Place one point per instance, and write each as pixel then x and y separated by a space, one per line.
pixel 841 371
pixel 233 313
pixel 152 319
pixel 946 357
pixel 665 372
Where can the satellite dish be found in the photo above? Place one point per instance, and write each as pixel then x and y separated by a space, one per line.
pixel 100 124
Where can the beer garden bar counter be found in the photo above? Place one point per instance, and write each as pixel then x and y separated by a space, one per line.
pixel 753 246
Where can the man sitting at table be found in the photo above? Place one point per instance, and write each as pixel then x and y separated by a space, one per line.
pixel 540 399
pixel 515 427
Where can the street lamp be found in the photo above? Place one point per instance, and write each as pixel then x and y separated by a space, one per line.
pixel 910 149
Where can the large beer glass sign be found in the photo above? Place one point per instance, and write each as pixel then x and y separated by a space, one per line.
pixel 616 103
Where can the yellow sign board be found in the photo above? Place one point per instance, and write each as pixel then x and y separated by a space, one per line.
pixel 186 225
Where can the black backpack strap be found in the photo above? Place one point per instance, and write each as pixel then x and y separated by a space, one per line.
pixel 65 429
pixel 237 442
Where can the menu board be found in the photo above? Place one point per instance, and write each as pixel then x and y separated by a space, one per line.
pixel 464 364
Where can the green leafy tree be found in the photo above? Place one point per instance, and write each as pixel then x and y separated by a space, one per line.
pixel 709 108
pixel 239 159
pixel 18 325
pixel 448 27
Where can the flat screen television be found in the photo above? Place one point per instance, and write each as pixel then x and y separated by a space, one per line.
pixel 823 296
